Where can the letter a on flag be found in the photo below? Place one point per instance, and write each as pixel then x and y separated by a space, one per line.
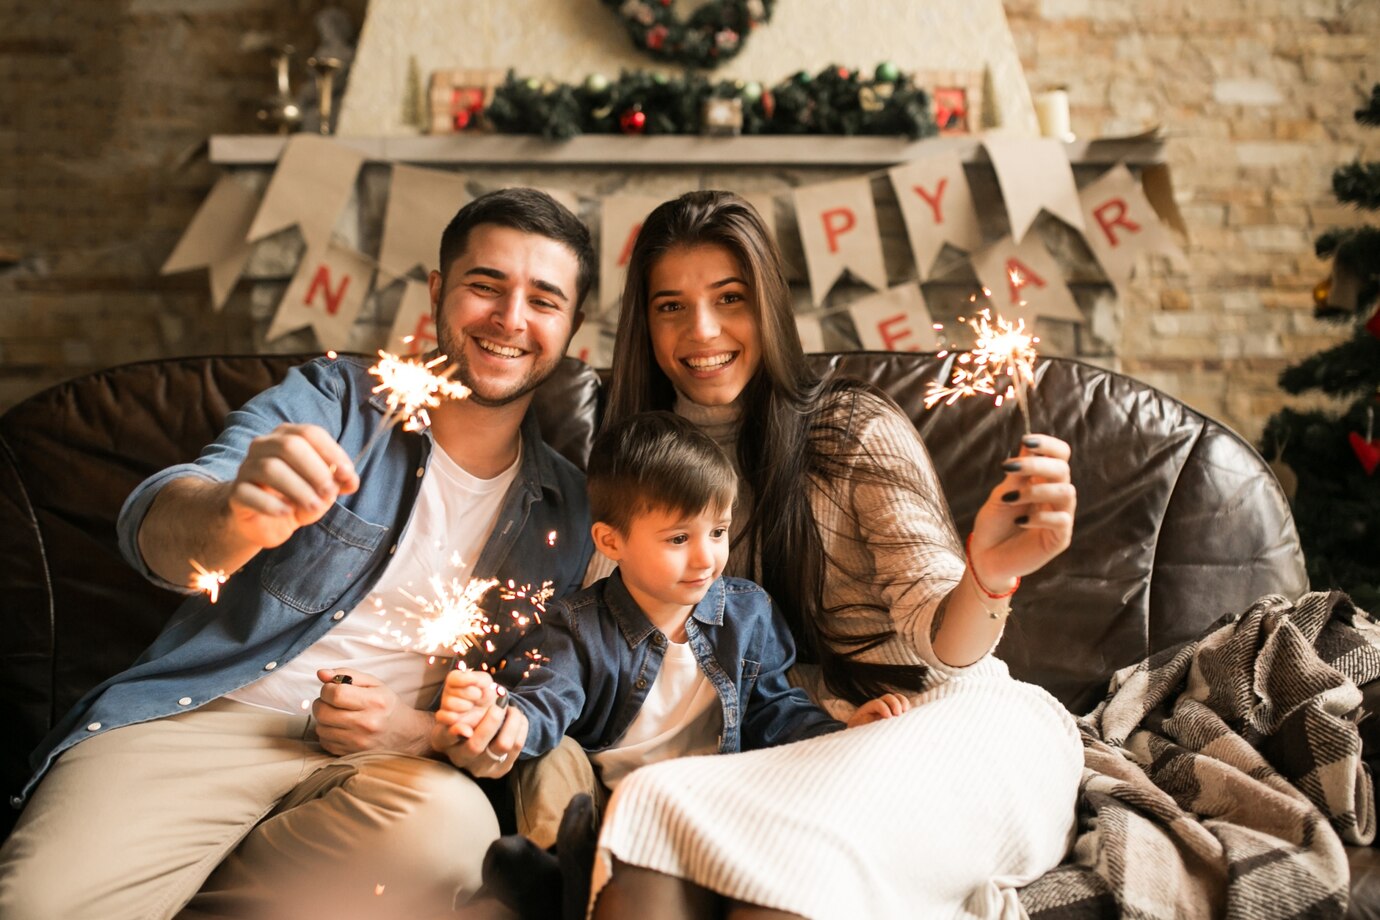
pixel 326 294
pixel 838 229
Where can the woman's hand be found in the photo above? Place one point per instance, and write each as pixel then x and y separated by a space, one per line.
pixel 886 706
pixel 1027 519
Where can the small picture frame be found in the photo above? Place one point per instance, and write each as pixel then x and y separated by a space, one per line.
pixel 458 98
pixel 955 99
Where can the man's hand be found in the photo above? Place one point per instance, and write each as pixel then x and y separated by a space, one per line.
pixel 475 728
pixel 885 706
pixel 288 479
pixel 362 714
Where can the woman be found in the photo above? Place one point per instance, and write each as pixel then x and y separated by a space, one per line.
pixel 930 814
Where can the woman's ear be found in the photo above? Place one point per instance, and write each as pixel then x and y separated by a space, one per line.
pixel 607 540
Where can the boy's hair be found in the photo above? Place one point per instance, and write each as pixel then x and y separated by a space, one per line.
pixel 657 461
pixel 529 211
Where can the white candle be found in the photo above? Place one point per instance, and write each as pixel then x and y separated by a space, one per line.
pixel 1052 111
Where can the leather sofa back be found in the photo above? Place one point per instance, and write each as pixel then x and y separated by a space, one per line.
pixel 1179 521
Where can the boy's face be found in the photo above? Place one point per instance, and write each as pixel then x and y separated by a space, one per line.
pixel 668 559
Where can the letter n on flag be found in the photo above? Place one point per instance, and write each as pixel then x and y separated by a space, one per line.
pixel 326 294
pixel 937 205
pixel 621 220
pixel 1120 223
pixel 838 230
pixel 895 320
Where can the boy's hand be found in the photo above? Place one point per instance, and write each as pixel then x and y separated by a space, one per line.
pixel 475 728
pixel 883 707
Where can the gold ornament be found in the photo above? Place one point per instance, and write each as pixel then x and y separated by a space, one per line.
pixel 1321 291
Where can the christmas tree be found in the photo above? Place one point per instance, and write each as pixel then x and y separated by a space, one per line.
pixel 1336 456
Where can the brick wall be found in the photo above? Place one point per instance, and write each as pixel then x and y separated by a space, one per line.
pixel 106 106
pixel 1257 97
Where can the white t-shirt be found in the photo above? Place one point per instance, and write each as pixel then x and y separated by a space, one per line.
pixel 681 717
pixel 450 524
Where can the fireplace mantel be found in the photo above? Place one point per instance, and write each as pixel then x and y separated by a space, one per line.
pixel 678 150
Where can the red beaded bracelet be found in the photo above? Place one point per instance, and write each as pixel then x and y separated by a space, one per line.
pixel 972 570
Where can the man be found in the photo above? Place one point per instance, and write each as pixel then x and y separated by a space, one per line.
pixel 269 756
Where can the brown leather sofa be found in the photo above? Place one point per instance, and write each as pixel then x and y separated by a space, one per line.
pixel 1179 521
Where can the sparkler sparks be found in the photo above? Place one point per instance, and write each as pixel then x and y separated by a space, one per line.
pixel 208 580
pixel 1000 349
pixel 452 620
pixel 412 388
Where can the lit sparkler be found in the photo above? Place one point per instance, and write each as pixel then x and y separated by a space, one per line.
pixel 1001 349
pixel 452 621
pixel 208 580
pixel 412 389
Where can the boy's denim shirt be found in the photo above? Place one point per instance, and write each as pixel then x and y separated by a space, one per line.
pixel 286 598
pixel 604 655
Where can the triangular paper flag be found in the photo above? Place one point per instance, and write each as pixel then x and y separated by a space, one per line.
pixel 1025 281
pixel 1034 173
pixel 1121 224
pixel 215 237
pixel 838 230
pixel 326 294
pixel 811 333
pixel 421 202
pixel 314 179
pixel 937 206
pixel 414 330
pixel 895 320
pixel 618 228
pixel 592 344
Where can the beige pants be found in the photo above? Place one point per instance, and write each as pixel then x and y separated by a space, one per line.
pixel 232 810
pixel 544 786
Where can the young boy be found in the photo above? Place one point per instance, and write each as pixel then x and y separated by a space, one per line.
pixel 666 657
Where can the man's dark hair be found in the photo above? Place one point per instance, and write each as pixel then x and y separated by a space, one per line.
pixel 529 211
pixel 657 461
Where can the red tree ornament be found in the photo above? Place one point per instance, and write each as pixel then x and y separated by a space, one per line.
pixel 1373 324
pixel 1368 452
pixel 633 121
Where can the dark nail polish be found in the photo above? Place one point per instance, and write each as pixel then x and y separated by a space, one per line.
pixel 1023 519
pixel 1012 466
pixel 1031 442
pixel 502 701
pixel 1011 496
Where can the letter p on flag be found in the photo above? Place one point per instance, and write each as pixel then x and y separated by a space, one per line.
pixel 837 222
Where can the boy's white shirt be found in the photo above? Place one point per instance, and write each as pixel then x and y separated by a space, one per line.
pixel 680 717
pixel 451 522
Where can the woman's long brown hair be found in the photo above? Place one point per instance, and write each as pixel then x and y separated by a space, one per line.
pixel 787 446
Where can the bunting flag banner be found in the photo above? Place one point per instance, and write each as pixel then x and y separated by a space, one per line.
pixel 326 294
pixel 592 344
pixel 1034 173
pixel 895 320
pixel 414 328
pixel 215 237
pixel 621 220
pixel 421 202
pixel 811 333
pixel 314 179
pixel 937 206
pixel 1121 224
pixel 1025 281
pixel 838 231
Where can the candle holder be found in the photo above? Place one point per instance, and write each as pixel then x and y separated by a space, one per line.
pixel 281 112
pixel 325 69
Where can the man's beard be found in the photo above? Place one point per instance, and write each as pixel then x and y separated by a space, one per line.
pixel 451 347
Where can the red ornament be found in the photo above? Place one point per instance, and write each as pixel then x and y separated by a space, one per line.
pixel 656 37
pixel 768 103
pixel 633 121
pixel 1373 324
pixel 843 73
pixel 1368 452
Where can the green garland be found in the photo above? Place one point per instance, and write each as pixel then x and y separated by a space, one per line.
pixel 714 33
pixel 837 100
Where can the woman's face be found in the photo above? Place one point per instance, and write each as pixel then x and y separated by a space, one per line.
pixel 703 321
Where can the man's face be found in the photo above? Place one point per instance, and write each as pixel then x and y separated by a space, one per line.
pixel 505 312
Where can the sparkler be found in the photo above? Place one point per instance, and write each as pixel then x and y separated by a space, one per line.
pixel 1001 348
pixel 412 389
pixel 208 580
pixel 452 621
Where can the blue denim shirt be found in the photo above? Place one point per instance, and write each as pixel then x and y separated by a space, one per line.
pixel 605 655
pixel 286 598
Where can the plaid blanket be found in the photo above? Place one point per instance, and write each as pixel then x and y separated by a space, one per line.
pixel 1222 776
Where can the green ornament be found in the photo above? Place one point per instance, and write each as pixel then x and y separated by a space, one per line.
pixel 752 91
pixel 532 83
pixel 660 79
pixel 804 77
pixel 887 72
pixel 596 83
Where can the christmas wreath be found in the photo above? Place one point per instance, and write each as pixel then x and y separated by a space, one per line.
pixel 714 33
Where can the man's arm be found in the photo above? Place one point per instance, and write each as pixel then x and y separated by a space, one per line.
pixel 288 479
